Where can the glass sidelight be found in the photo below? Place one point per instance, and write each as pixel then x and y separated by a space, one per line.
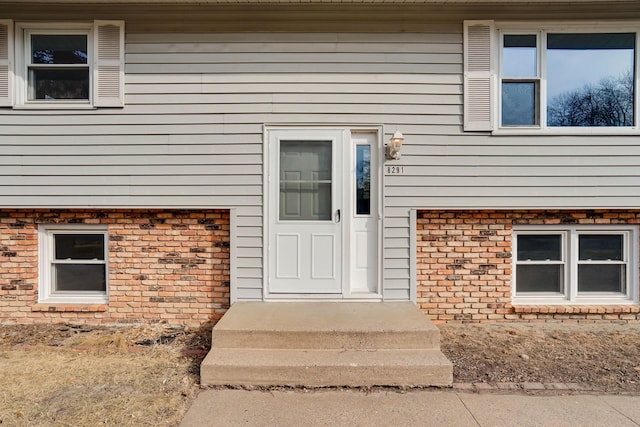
pixel 363 179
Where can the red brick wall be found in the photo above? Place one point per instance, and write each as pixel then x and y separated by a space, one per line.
pixel 164 266
pixel 464 266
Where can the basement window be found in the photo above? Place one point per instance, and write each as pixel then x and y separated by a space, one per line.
pixel 73 264
pixel 575 265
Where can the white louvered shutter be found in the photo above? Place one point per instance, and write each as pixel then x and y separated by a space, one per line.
pixel 478 75
pixel 108 72
pixel 6 63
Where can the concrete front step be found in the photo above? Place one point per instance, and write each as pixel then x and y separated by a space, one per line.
pixel 319 368
pixel 325 325
pixel 326 344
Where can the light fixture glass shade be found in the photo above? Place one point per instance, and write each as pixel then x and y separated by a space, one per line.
pixel 393 148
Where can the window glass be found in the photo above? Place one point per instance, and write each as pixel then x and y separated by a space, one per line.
pixel 519 56
pixel 590 79
pixel 520 86
pixel 519 103
pixel 539 278
pixel 601 278
pixel 59 84
pixel 539 247
pixel 305 180
pixel 363 179
pixel 79 277
pixel 58 49
pixel 79 246
pixel 601 247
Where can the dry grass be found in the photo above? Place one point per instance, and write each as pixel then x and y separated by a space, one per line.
pixel 96 380
pixel 62 375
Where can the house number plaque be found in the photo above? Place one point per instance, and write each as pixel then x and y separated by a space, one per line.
pixel 395 170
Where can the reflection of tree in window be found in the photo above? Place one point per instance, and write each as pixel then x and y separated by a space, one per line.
pixel 609 103
pixel 59 67
pixel 598 69
pixel 363 179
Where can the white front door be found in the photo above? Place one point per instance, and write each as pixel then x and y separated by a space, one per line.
pixel 305 248
pixel 321 219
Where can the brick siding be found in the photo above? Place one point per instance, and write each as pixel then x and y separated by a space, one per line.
pixel 464 266
pixel 164 266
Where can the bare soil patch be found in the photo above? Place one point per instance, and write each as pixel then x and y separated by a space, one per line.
pixel 603 356
pixel 62 375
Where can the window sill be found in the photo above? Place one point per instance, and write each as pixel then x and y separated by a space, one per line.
pixel 578 309
pixel 75 300
pixel 69 307
pixel 566 131
pixel 65 107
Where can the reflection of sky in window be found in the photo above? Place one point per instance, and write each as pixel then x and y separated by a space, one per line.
pixel 577 60
pixel 519 62
pixel 568 70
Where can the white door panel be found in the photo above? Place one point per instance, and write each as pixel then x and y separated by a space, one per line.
pixel 288 263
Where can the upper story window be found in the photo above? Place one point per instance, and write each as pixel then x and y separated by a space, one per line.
pixel 57 66
pixel 552 78
pixel 61 65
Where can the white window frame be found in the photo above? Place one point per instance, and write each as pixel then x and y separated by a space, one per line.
pixel 541 29
pixel 23 53
pixel 46 293
pixel 570 259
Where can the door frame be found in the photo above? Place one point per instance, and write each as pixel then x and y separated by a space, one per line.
pixel 347 180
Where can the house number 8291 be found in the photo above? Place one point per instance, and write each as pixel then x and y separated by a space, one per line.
pixel 395 170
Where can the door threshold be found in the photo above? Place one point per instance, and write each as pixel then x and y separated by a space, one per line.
pixel 328 298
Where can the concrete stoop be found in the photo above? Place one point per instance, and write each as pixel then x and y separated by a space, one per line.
pixel 319 344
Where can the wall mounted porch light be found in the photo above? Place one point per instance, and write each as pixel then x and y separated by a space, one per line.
pixel 394 145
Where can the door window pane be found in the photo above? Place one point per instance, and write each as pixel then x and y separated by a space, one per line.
pixel 600 247
pixel 305 180
pixel 363 179
pixel 590 79
pixel 540 278
pixel 539 247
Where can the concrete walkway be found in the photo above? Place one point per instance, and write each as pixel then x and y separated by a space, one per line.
pixel 412 408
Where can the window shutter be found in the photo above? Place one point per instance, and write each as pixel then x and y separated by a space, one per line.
pixel 478 75
pixel 6 63
pixel 108 88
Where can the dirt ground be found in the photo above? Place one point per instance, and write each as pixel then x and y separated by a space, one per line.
pixel 135 376
pixel 604 356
